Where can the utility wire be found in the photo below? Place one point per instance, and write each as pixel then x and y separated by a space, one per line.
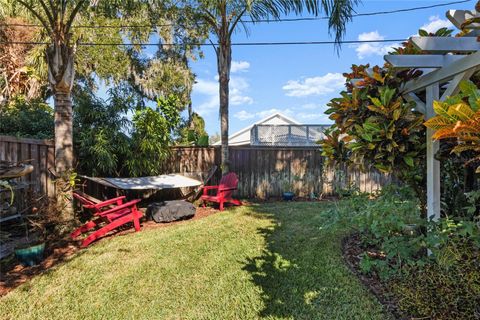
pixel 377 13
pixel 93 44
pixel 248 21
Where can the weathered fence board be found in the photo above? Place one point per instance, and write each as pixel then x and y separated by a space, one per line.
pixel 39 153
pixel 264 172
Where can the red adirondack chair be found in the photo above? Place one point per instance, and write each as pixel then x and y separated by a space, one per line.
pixel 228 184
pixel 112 214
pixel 95 205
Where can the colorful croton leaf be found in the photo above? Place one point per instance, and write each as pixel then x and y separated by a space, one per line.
pixel 458 118
pixel 375 123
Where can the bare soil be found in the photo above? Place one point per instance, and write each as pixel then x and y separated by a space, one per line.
pixel 352 252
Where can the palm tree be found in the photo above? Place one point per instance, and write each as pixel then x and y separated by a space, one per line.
pixel 56 18
pixel 223 18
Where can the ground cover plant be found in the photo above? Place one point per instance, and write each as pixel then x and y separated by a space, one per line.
pixel 394 243
pixel 268 261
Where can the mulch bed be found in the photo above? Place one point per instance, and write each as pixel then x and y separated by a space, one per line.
pixel 352 252
pixel 13 274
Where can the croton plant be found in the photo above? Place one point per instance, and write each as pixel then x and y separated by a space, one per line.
pixel 458 118
pixel 376 125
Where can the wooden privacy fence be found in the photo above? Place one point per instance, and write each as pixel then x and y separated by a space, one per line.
pixel 41 154
pixel 265 172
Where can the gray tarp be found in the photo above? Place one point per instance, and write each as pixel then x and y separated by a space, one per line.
pixel 164 181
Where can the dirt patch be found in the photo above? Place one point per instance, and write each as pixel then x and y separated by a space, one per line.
pixel 13 274
pixel 352 252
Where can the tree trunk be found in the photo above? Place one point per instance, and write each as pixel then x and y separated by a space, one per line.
pixel 63 131
pixel 60 58
pixel 61 72
pixel 224 56
pixel 190 114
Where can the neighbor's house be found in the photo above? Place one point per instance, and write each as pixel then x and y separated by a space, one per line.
pixel 277 130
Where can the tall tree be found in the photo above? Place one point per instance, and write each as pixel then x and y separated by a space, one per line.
pixel 224 16
pixel 57 17
pixel 164 74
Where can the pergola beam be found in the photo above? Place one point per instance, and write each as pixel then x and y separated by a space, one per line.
pixel 459 17
pixel 446 44
pixel 419 104
pixel 422 61
pixel 454 85
pixel 467 63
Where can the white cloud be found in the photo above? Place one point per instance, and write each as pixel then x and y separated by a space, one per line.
pixel 436 23
pixel 209 88
pixel 206 87
pixel 244 115
pixel 266 113
pixel 315 85
pixel 313 118
pixel 239 66
pixel 312 113
pixel 310 106
pixel 372 48
pixel 238 86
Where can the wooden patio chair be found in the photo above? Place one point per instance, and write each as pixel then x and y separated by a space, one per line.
pixel 206 177
pixel 108 215
pixel 224 191
pixel 95 205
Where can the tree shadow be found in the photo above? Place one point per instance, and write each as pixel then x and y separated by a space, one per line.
pixel 301 272
pixel 13 274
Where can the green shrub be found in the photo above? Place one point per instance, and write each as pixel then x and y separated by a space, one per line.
pixel 27 119
pixel 390 226
pixel 449 288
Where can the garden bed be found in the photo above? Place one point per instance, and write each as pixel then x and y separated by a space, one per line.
pixel 352 252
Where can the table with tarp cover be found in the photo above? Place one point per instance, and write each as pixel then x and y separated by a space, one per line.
pixel 164 181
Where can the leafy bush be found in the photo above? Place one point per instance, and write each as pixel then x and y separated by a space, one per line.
pixel 109 143
pixel 27 118
pixel 377 127
pixel 446 289
pixel 388 227
pixel 100 132
pixel 442 285
pixel 192 132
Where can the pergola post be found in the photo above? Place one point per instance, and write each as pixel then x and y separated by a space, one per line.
pixel 452 59
pixel 433 165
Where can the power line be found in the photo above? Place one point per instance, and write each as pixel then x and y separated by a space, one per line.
pixel 140 44
pixel 377 13
pixel 248 21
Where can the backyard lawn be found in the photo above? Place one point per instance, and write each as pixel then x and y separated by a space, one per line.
pixel 271 261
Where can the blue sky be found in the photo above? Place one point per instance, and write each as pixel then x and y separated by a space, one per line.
pixel 299 80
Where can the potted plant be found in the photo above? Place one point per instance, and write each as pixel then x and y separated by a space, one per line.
pixel 31 251
pixel 39 224
pixel 288 193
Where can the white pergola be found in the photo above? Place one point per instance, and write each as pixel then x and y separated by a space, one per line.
pixel 450 60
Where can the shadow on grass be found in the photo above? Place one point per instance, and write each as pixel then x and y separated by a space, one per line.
pixel 300 272
pixel 14 274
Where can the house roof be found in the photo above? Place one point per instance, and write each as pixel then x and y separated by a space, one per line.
pixel 270 117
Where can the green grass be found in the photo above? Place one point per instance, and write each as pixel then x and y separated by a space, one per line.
pixel 269 261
